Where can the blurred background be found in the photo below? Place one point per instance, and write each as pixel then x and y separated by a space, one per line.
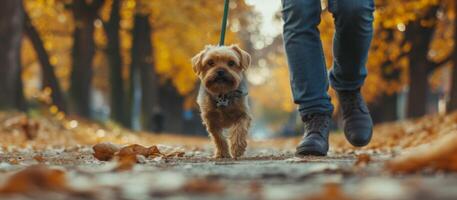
pixel 127 62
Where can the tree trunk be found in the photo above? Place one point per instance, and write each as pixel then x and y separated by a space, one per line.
pixel 118 104
pixel 452 105
pixel 172 102
pixel 135 99
pixel 83 53
pixel 48 75
pixel 143 64
pixel 194 125
pixel 152 119
pixel 385 109
pixel 11 24
pixel 420 38
pixel 418 90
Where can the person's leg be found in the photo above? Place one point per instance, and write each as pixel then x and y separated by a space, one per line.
pixel 308 73
pixel 353 34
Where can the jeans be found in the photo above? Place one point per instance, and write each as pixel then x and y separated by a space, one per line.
pixel 308 74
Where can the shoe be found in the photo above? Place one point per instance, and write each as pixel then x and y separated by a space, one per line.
pixel 357 123
pixel 315 140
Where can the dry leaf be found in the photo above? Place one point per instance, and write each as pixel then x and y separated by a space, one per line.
pixel 154 151
pixel 105 151
pixel 135 149
pixel 440 154
pixel 256 190
pixel 126 163
pixel 330 191
pixel 39 158
pixel 30 128
pixel 202 186
pixel 362 160
pixel 34 178
pixel 175 154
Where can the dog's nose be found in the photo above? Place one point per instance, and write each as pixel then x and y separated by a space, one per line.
pixel 220 72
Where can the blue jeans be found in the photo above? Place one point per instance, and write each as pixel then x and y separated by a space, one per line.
pixel 308 74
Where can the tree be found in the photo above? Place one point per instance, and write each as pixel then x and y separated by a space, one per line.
pixel 48 76
pixel 166 39
pixel 420 38
pixel 85 13
pixel 452 106
pixel 173 103
pixel 143 69
pixel 118 99
pixel 11 26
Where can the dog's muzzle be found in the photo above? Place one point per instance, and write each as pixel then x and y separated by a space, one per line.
pixel 222 78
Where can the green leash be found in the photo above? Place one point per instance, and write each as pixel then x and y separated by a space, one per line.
pixel 224 22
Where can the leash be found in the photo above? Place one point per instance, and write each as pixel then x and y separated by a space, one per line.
pixel 224 22
pixel 224 100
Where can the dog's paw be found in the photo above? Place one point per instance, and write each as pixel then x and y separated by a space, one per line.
pixel 221 155
pixel 238 149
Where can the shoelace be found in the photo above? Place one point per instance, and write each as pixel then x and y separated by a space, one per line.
pixel 316 123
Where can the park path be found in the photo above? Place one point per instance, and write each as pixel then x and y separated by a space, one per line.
pixel 51 158
pixel 264 173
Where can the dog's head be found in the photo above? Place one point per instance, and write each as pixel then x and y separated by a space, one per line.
pixel 220 68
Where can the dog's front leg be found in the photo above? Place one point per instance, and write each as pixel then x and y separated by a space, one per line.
pixel 219 141
pixel 238 134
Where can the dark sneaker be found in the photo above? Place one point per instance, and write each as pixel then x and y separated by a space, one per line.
pixel 357 123
pixel 315 141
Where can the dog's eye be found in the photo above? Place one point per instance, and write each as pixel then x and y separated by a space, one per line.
pixel 231 63
pixel 211 63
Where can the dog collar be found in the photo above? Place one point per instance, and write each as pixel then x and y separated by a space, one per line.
pixel 224 100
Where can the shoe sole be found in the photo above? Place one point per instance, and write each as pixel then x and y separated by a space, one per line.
pixel 361 144
pixel 307 151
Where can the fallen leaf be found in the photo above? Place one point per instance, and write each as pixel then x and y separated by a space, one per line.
pixel 126 163
pixel 35 178
pixel 175 154
pixel 203 186
pixel 154 151
pixel 135 149
pixel 440 154
pixel 330 191
pixel 362 160
pixel 256 190
pixel 105 151
pixel 30 128
pixel 39 158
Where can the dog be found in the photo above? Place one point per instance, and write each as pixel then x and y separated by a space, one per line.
pixel 222 97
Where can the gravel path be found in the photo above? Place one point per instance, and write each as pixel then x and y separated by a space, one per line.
pixel 261 174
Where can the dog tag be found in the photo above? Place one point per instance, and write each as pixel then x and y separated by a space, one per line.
pixel 222 101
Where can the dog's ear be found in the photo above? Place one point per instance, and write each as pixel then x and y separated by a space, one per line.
pixel 197 60
pixel 245 58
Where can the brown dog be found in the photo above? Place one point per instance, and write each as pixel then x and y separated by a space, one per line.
pixel 222 101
